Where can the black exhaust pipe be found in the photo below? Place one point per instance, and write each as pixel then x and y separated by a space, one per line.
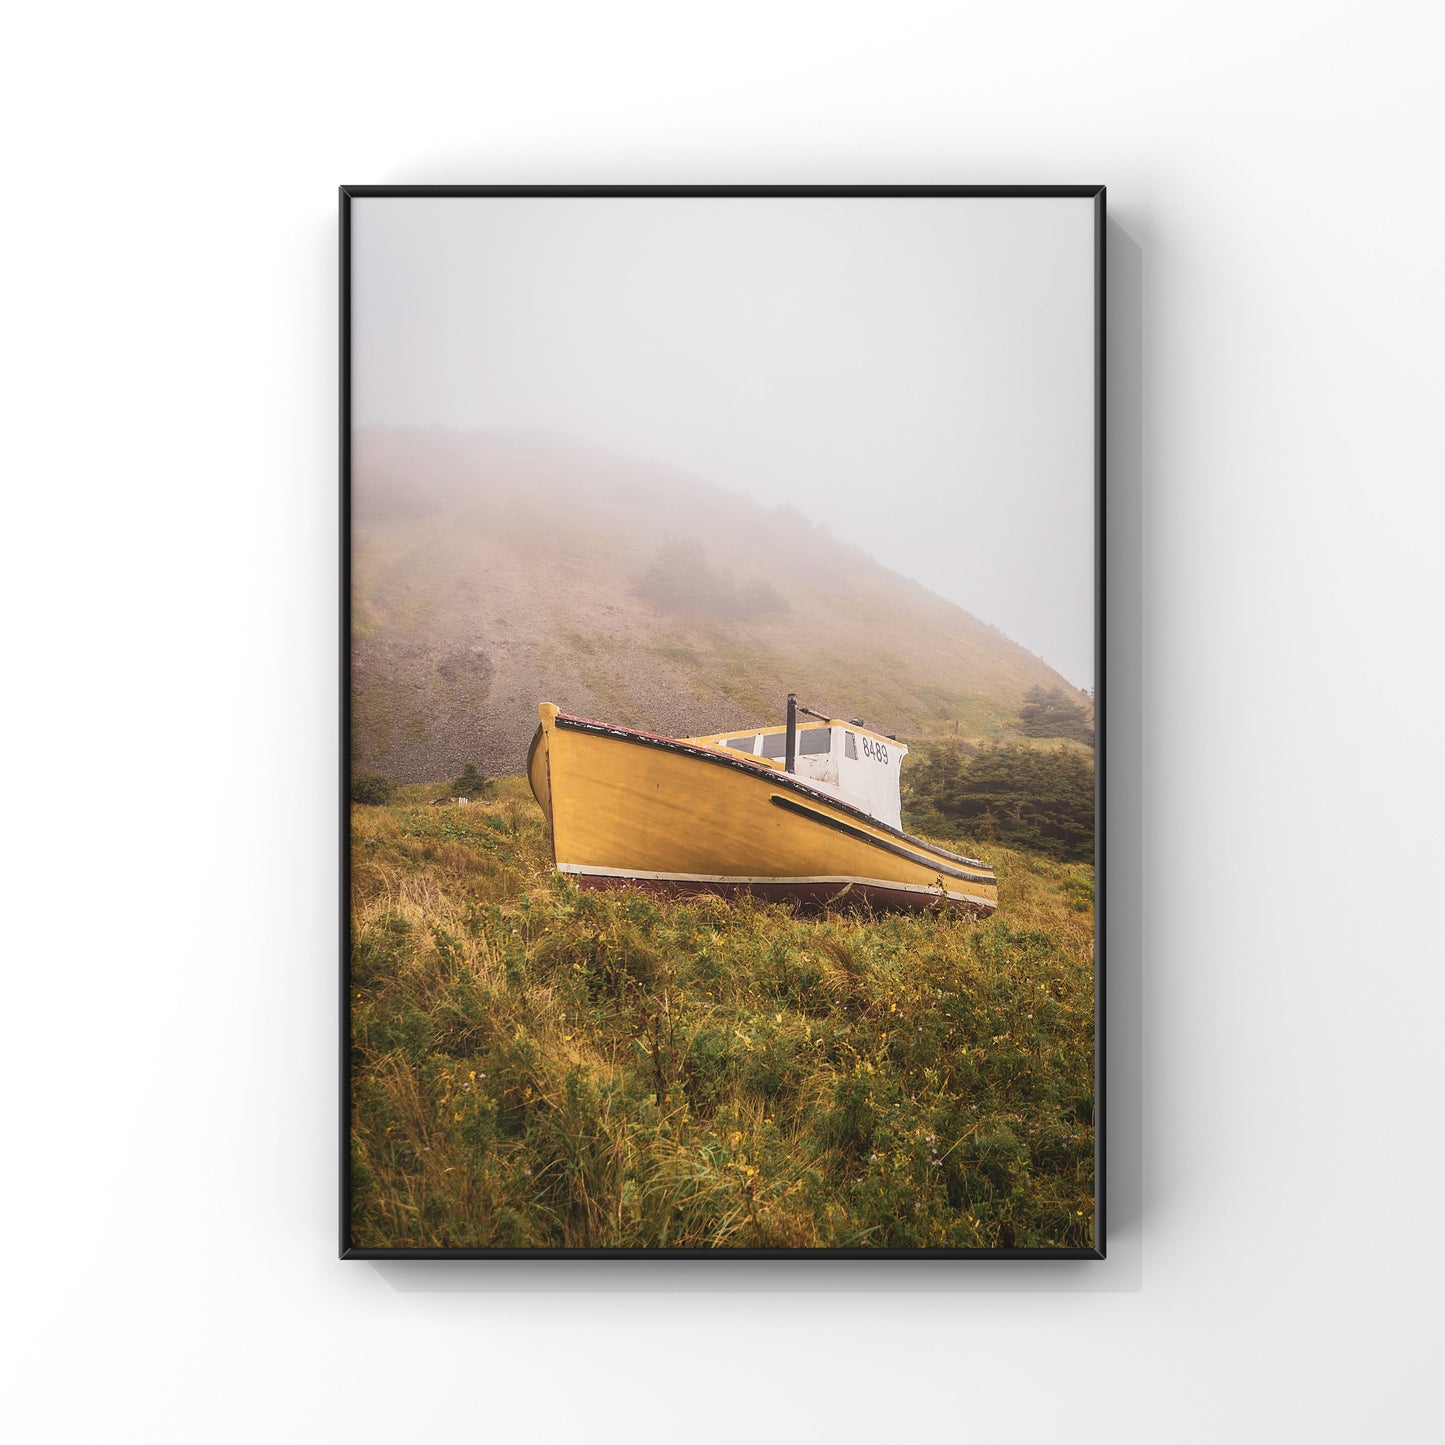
pixel 791 753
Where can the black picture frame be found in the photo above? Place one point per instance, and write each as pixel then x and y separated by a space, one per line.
pixel 350 193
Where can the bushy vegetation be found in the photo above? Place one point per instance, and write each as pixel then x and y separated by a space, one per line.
pixel 535 1066
pixel 681 581
pixel 1052 713
pixel 1017 794
pixel 470 784
pixel 372 789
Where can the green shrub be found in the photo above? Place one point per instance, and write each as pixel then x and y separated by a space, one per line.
pixel 372 789
pixel 471 783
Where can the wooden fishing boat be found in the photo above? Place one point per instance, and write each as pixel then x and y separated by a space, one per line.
pixel 798 814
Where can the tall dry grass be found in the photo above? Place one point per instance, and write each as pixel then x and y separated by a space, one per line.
pixel 538 1067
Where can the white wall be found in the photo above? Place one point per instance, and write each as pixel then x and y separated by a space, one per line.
pixel 168 344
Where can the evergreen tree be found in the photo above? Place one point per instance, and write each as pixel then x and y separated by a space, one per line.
pixel 681 580
pixel 469 784
pixel 1023 797
pixel 1051 713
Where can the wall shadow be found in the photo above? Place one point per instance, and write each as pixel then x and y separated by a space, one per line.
pixel 1124 765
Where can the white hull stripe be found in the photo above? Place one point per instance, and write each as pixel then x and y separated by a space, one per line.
pixel 832 881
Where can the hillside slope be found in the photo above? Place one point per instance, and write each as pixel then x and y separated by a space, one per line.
pixel 493 572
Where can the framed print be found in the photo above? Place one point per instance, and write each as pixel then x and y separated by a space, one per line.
pixel 722 722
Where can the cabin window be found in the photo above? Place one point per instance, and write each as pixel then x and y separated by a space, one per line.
pixel 850 746
pixel 742 745
pixel 812 741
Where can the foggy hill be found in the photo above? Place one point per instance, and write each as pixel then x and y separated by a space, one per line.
pixel 494 572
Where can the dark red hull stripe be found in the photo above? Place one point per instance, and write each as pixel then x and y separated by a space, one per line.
pixel 747 765
pixel 877 894
pixel 839 826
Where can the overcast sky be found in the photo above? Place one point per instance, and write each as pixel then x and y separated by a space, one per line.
pixel 915 374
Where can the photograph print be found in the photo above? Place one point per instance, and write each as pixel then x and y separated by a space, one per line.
pixel 722 600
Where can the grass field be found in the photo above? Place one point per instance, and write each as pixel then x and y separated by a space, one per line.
pixel 534 1066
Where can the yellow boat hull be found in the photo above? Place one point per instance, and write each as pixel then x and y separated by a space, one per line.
pixel 626 808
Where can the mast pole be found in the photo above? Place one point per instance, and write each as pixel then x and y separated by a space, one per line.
pixel 791 755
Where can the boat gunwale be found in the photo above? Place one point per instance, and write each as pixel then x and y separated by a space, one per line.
pixel 776 776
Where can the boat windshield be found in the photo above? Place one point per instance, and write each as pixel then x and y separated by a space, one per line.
pixel 812 742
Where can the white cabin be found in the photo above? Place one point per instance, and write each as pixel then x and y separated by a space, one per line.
pixel 841 759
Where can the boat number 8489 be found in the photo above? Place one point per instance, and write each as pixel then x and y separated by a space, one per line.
pixel 876 751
